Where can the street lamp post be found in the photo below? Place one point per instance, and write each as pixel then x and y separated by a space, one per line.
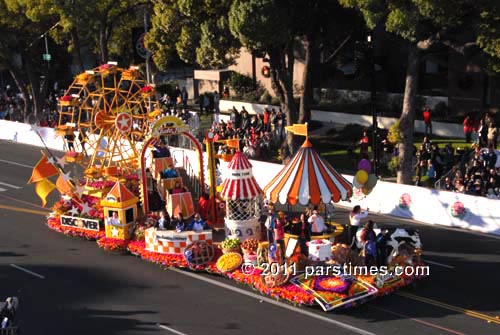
pixel 373 105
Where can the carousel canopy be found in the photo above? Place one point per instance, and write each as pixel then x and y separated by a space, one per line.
pixel 240 183
pixel 308 179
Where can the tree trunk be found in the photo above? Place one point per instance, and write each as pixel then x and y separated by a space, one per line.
pixel 21 86
pixel 34 82
pixel 103 41
pixel 78 52
pixel 307 91
pixel 282 84
pixel 407 119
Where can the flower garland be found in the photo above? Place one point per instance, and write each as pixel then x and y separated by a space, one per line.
pixel 288 292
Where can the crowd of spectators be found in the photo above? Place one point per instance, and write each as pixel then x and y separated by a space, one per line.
pixel 479 175
pixel 259 135
pixel 11 104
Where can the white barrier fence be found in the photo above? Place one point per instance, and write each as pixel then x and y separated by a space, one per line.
pixel 418 203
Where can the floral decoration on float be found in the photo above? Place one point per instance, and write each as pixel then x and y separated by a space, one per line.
pixel 113 244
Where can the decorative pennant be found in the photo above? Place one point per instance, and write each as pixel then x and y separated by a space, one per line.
pixel 43 188
pixel 43 169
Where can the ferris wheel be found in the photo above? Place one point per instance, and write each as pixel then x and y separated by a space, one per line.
pixel 105 115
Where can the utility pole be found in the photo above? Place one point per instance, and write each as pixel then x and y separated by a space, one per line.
pixel 373 104
pixel 147 52
pixel 47 51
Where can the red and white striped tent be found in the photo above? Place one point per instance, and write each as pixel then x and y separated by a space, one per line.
pixel 240 183
pixel 308 179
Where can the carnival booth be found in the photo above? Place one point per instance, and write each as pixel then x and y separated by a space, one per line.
pixel 242 195
pixel 121 201
pixel 309 180
pixel 172 242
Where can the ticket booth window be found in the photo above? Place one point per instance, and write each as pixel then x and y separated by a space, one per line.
pixel 129 215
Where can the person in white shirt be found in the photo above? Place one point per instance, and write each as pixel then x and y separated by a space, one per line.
pixel 114 220
pixel 354 222
pixel 317 222
pixel 163 222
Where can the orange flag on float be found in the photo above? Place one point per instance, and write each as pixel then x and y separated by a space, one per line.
pixel 298 129
pixel 63 186
pixel 43 189
pixel 42 170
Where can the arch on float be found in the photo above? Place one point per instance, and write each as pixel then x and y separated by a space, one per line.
pixel 167 126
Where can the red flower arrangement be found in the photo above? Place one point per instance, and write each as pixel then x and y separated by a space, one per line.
pixel 147 89
pixel 113 244
pixel 71 154
pixel 105 67
pixel 66 98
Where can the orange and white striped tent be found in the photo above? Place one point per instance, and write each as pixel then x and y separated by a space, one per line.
pixel 308 179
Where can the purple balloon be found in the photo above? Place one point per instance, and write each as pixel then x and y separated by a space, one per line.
pixel 365 164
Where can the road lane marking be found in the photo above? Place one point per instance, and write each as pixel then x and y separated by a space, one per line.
pixel 471 313
pixel 275 303
pixel 27 271
pixel 3 189
pixel 23 210
pixel 15 163
pixel 170 329
pixel 10 185
pixel 429 324
pixel 23 202
pixel 439 264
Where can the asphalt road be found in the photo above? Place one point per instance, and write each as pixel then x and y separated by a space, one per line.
pixel 76 288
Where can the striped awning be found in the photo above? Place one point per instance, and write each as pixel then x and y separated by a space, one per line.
pixel 308 179
pixel 240 183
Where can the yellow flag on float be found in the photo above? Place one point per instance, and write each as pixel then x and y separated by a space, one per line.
pixel 298 129
pixel 43 188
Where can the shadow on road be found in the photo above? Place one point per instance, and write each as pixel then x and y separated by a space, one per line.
pixel 57 304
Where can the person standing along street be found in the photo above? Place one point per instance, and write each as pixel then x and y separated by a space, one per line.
pixel 216 106
pixel 426 115
pixel 468 128
pixel 184 98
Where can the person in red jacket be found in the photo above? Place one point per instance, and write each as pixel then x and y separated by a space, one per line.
pixel 426 115
pixel 203 206
pixel 468 128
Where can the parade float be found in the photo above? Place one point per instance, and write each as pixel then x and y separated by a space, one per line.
pixel 110 177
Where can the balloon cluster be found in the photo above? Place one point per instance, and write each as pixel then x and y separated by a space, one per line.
pixel 364 179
